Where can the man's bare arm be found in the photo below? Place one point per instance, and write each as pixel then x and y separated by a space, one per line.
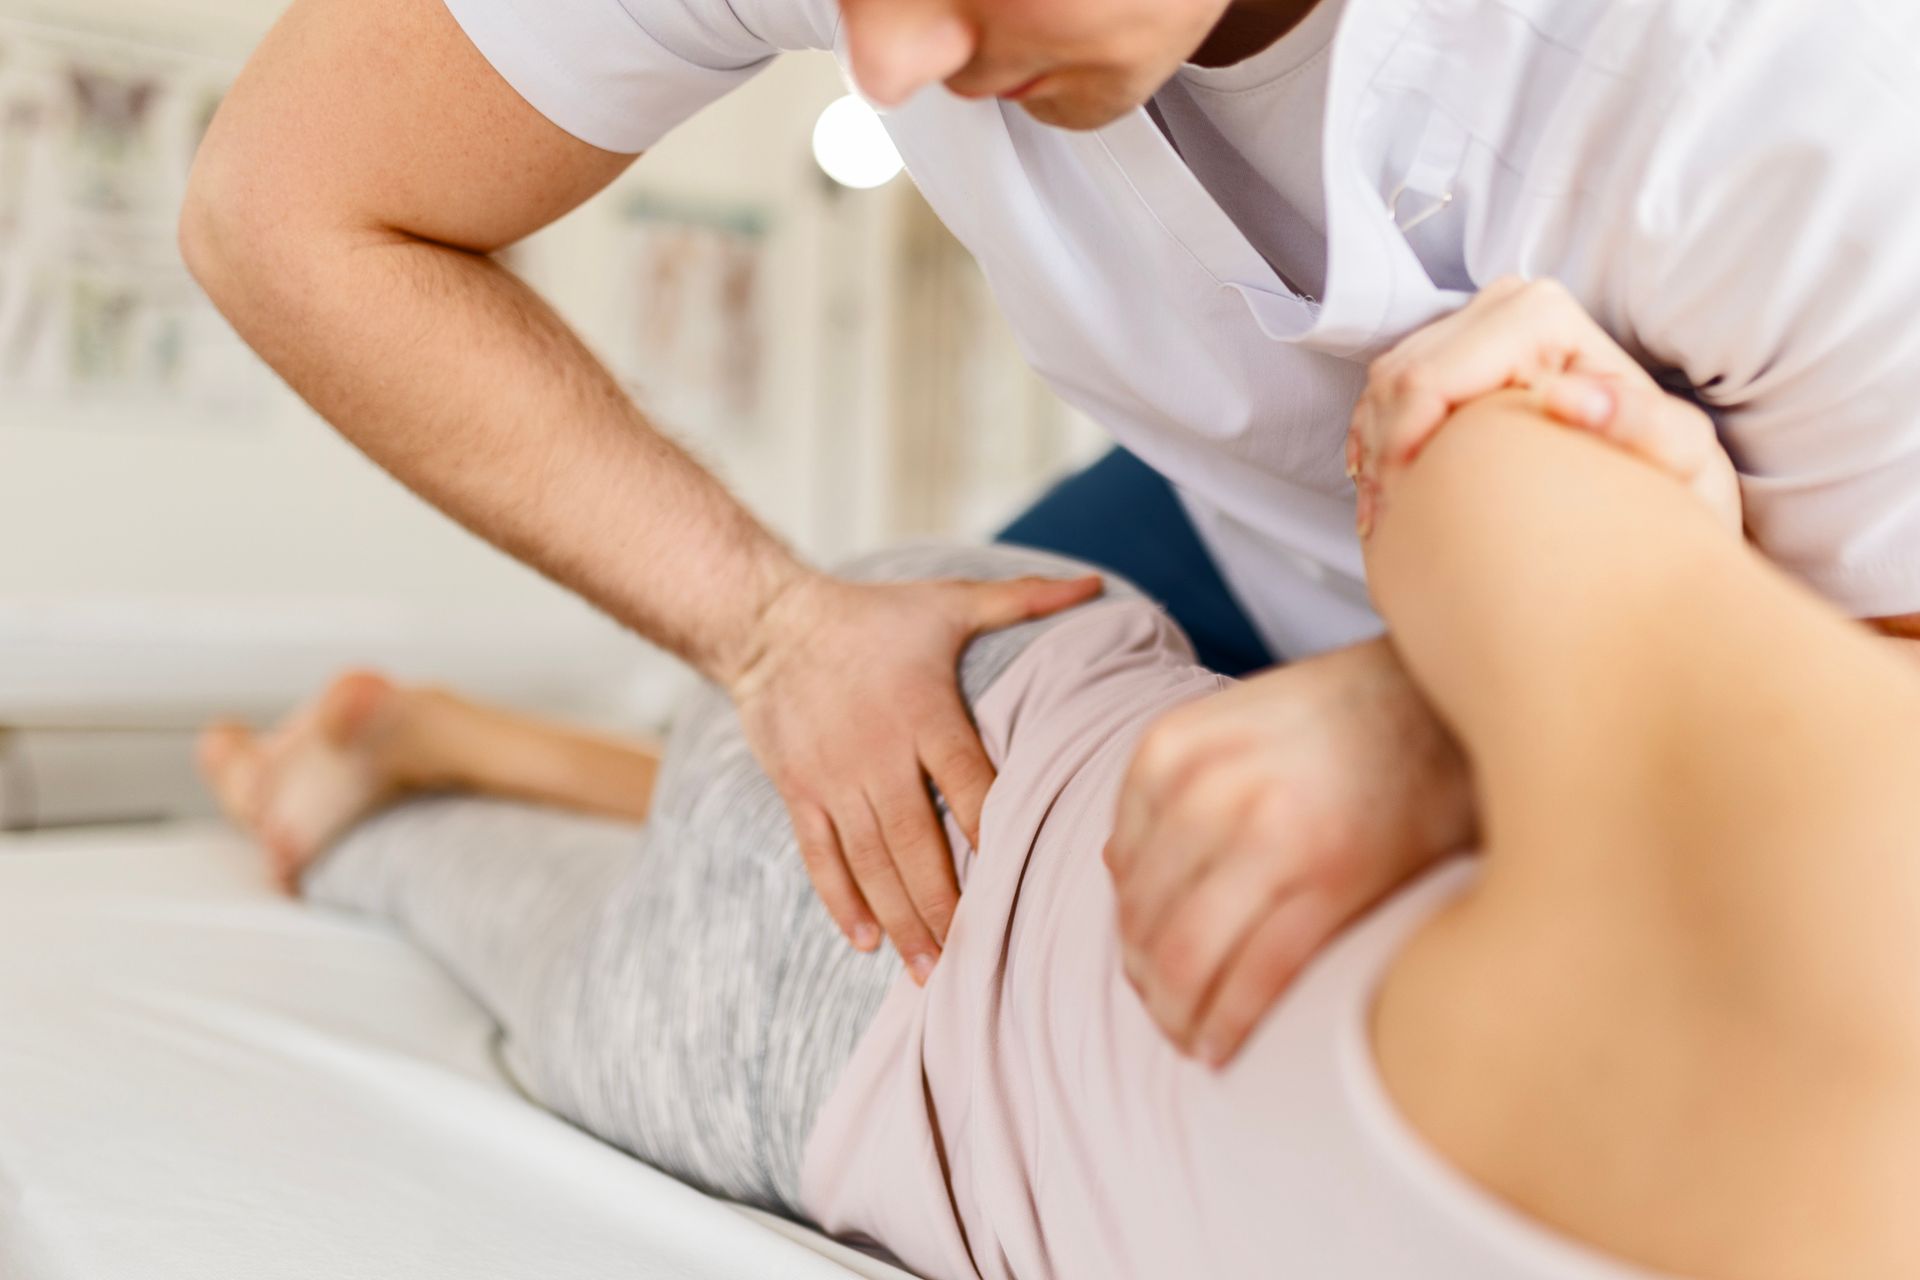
pixel 340 214
pixel 363 165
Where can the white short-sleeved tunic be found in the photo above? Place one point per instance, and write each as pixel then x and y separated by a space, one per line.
pixel 1729 186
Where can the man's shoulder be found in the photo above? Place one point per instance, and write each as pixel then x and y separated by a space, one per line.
pixel 776 24
pixel 1693 33
pixel 1661 80
pixel 621 74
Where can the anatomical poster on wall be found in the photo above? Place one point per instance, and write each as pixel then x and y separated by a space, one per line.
pixel 692 344
pixel 97 133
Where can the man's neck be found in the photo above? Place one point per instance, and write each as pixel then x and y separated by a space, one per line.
pixel 1248 27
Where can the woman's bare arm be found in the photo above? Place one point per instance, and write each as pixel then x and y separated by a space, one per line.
pixel 1680 1016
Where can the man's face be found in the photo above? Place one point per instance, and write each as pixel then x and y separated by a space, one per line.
pixel 1078 64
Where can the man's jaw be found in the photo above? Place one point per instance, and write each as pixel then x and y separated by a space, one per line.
pixel 1078 102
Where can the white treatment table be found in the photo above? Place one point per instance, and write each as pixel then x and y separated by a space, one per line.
pixel 203 1080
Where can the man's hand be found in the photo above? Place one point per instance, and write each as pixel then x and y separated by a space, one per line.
pixel 1255 824
pixel 851 702
pixel 1532 334
pixel 1513 333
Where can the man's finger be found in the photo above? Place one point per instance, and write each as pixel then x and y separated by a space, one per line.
pixel 1523 336
pixel 1133 818
pixel 1272 955
pixel 1658 428
pixel 879 880
pixel 1197 826
pixel 1580 402
pixel 954 758
pixel 827 869
pixel 1169 753
pixel 919 849
pixel 1205 928
pixel 1002 604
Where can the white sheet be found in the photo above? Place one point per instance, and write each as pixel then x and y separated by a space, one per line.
pixel 202 1080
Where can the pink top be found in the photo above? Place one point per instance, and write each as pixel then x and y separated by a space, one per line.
pixel 1022 1117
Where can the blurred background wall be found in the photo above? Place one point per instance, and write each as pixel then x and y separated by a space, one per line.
pixel 181 537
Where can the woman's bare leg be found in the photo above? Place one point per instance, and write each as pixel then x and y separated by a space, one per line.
pixel 365 742
pixel 1680 1016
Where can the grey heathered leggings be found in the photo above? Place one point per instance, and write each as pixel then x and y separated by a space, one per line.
pixel 674 988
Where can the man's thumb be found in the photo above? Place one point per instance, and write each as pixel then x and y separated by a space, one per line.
pixel 1001 604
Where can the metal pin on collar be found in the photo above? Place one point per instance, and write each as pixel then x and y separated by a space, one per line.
pixel 1393 208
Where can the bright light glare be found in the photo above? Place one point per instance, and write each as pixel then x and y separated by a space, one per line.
pixel 851 144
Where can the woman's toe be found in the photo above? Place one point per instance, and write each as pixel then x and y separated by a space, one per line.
pixel 284 857
pixel 219 743
pixel 229 758
pixel 349 703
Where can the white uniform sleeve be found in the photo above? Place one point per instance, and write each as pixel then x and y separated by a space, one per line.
pixel 620 74
pixel 1778 266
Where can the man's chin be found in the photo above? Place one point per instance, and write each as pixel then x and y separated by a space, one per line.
pixel 1072 112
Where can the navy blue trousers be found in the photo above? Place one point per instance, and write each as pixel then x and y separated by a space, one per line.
pixel 1122 515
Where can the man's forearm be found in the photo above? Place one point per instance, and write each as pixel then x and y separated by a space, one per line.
pixel 458 379
pixel 363 159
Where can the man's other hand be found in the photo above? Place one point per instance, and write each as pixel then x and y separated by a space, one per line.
pixel 1256 823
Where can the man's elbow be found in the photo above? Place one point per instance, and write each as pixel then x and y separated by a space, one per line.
pixel 199 231
pixel 219 219
pixel 243 243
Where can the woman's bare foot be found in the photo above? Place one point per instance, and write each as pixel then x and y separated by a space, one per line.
pixel 297 789
pixel 365 742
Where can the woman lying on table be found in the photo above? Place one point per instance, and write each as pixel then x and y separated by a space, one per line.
pixel 1667 1022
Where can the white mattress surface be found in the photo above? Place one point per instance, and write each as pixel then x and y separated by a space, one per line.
pixel 201 1079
